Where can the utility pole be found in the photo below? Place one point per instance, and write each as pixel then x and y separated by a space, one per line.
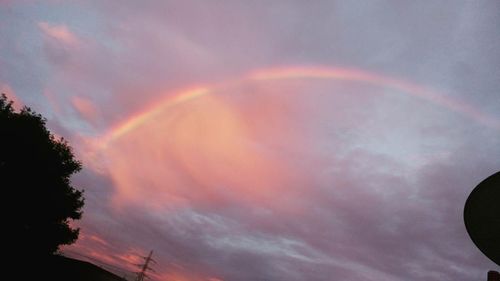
pixel 145 267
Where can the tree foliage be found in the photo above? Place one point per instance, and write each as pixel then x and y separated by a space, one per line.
pixel 35 171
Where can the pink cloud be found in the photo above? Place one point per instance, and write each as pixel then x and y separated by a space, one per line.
pixel 246 143
pixel 59 33
pixel 210 147
pixel 86 108
pixel 99 240
pixel 7 90
pixel 293 180
pixel 51 98
pixel 260 172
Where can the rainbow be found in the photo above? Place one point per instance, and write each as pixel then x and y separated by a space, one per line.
pixel 283 73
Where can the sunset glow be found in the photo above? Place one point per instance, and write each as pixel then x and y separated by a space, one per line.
pixel 266 140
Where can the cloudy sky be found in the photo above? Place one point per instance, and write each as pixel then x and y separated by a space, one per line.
pixel 268 140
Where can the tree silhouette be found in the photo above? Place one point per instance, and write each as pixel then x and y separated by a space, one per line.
pixel 35 170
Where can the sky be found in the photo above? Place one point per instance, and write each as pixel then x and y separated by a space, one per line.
pixel 268 140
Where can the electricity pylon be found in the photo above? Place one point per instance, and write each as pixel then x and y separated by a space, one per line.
pixel 145 267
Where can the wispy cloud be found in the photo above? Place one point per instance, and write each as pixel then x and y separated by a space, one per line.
pixel 59 33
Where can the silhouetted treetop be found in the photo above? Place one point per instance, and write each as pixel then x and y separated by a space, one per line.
pixel 35 171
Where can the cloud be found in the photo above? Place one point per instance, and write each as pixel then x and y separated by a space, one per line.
pixel 59 33
pixel 7 90
pixel 291 179
pixel 86 108
pixel 235 177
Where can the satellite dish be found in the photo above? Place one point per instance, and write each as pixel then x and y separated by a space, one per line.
pixel 482 217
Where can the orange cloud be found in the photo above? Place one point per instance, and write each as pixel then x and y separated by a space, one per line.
pixel 60 33
pixel 199 151
pixel 86 108
pixel 87 242
pixel 98 240
pixel 95 248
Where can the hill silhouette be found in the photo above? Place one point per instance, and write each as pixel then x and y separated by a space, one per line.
pixel 59 268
